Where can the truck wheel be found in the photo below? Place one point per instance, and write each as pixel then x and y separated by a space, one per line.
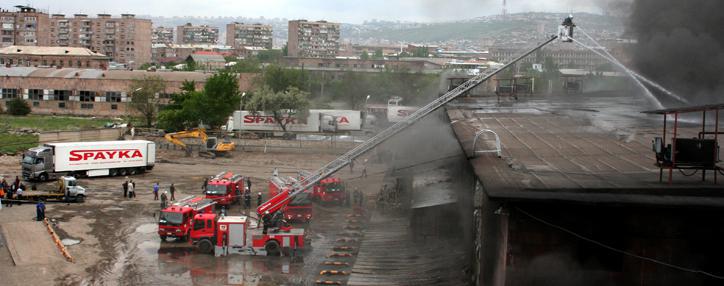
pixel 43 177
pixel 113 172
pixel 205 246
pixel 80 198
pixel 272 248
pixel 123 172
pixel 132 171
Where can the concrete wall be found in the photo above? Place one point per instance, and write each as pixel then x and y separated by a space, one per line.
pixel 83 135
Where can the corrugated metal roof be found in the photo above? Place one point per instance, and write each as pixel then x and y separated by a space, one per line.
pixel 206 58
pixel 49 51
pixel 97 74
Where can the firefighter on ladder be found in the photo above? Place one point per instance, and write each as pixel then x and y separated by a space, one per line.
pixel 565 30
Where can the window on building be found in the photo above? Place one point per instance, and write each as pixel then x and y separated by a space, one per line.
pixel 62 95
pixel 87 96
pixel 86 106
pixel 114 106
pixel 9 93
pixel 113 96
pixel 61 104
pixel 35 94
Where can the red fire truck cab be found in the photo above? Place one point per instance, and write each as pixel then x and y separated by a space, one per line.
pixel 330 190
pixel 225 188
pixel 224 235
pixel 175 220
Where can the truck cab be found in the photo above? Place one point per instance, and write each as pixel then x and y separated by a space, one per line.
pixel 176 220
pixel 225 188
pixel 72 189
pixel 330 190
pixel 299 208
pixel 37 163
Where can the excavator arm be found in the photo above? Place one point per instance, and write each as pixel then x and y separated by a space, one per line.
pixel 175 138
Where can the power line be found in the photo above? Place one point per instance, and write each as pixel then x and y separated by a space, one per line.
pixel 696 271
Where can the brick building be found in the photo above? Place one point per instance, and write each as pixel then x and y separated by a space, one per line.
pixel 25 27
pixel 89 91
pixel 126 40
pixel 30 56
pixel 318 39
pixel 190 34
pixel 239 35
pixel 162 35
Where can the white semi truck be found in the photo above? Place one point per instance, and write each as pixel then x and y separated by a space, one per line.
pixel 92 159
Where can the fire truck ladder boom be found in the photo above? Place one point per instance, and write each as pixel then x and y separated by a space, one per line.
pixel 371 143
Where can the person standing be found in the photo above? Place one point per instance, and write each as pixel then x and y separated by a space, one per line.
pixel 131 189
pixel 351 166
pixel 275 172
pixel 17 181
pixel 173 191
pixel 155 191
pixel 125 188
pixel 19 194
pixel 248 183
pixel 164 199
pixel 247 199
pixel 206 184
pixel 9 197
pixel 258 199
pixel 40 210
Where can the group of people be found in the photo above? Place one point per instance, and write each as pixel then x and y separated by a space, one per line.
pixel 12 191
pixel 129 191
pixel 357 198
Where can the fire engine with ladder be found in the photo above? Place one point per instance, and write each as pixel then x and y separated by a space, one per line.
pixel 225 188
pixel 239 234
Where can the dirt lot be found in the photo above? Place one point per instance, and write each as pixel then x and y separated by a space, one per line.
pixel 118 240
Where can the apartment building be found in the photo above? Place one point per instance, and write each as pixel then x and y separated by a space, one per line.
pixel 126 40
pixel 318 39
pixel 25 27
pixel 190 34
pixel 162 35
pixel 239 35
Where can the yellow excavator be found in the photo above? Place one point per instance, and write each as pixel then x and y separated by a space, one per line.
pixel 211 146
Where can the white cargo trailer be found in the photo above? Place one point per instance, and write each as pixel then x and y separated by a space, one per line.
pixel 318 120
pixel 99 158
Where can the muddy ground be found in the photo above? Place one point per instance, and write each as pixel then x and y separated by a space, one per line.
pixel 118 240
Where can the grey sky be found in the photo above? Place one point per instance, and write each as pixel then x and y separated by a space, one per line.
pixel 333 10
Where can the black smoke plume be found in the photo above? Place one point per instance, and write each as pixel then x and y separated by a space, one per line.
pixel 681 46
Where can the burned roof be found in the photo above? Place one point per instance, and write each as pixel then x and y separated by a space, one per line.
pixel 699 108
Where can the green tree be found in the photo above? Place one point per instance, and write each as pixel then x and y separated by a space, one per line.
pixel 285 50
pixel 144 96
pixel 18 107
pixel 365 56
pixel 279 78
pixel 211 106
pixel 190 66
pixel 378 54
pixel 282 105
pixel 250 65
pixel 270 56
pixel 420 52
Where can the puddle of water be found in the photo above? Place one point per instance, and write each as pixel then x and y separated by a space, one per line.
pixel 69 242
pixel 147 228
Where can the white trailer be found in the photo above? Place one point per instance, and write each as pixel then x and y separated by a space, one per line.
pixel 318 120
pixel 99 158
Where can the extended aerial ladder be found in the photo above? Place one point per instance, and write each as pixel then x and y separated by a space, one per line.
pixel 279 201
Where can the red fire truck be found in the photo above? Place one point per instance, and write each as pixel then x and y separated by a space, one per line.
pixel 224 235
pixel 330 190
pixel 225 188
pixel 175 220
pixel 300 207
